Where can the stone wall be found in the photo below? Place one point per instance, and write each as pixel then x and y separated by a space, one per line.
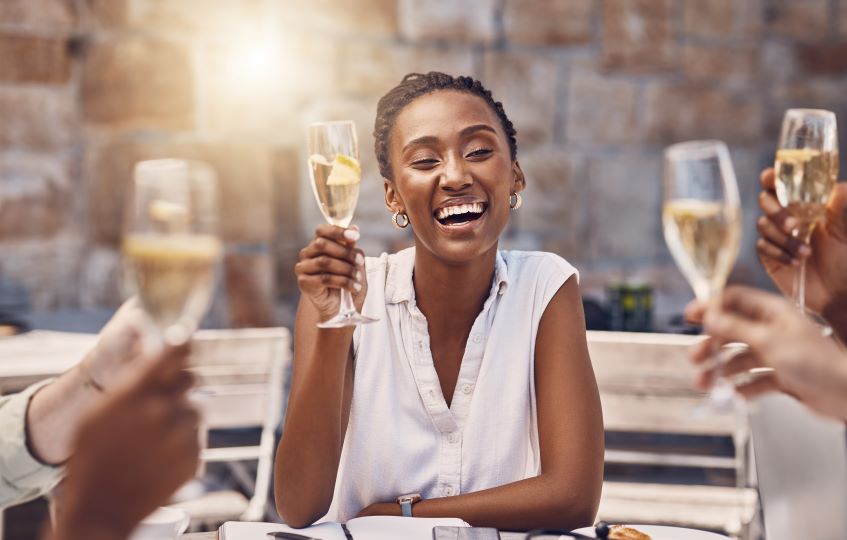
pixel 595 88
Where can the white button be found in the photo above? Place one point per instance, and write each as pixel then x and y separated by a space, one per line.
pixel 449 491
pixel 467 389
pixel 477 338
pixel 421 346
pixel 432 394
pixel 453 437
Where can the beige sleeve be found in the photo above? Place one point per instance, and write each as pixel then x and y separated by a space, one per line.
pixel 22 476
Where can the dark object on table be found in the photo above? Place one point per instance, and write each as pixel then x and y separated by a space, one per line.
pixel 601 531
pixel 630 307
pixel 290 536
pixel 596 316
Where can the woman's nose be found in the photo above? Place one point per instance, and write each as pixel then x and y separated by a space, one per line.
pixel 455 176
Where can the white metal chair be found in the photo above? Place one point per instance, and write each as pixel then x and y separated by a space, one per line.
pixel 241 380
pixel 645 383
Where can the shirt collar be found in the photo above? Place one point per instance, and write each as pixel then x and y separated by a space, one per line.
pixel 400 288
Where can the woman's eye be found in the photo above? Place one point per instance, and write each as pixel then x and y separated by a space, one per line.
pixel 424 163
pixel 481 152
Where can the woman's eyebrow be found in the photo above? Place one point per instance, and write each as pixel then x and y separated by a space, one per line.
pixel 429 139
pixel 476 127
pixel 426 139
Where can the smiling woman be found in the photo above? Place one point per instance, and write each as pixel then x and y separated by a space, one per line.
pixel 473 395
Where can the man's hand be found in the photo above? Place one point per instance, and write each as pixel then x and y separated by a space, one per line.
pixel 806 365
pixel 136 447
pixel 118 346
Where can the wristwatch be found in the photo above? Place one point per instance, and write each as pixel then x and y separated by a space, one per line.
pixel 406 502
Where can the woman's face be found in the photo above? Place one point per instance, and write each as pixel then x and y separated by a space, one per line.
pixel 453 174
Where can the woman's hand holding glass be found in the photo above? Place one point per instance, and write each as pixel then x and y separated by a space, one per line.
pixel 332 262
pixel 826 254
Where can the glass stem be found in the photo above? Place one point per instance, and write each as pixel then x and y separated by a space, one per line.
pixel 800 286
pixel 346 306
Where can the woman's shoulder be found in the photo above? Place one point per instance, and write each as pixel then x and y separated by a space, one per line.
pixel 541 264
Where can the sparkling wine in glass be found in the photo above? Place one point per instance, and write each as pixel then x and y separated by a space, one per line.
pixel 701 217
pixel 336 176
pixel 806 171
pixel 170 246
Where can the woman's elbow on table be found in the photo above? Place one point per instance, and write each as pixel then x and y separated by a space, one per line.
pixel 297 511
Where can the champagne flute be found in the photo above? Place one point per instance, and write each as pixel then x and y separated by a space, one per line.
pixel 170 245
pixel 336 176
pixel 806 170
pixel 701 217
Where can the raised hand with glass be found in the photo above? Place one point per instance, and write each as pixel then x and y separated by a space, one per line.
pixel 702 224
pixel 806 170
pixel 336 176
pixel 170 246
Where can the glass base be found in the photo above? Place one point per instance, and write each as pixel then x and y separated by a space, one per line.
pixel 343 320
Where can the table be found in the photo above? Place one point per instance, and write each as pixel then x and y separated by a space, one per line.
pixel 214 536
pixel 40 354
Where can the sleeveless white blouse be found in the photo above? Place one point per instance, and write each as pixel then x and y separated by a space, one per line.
pixel 402 438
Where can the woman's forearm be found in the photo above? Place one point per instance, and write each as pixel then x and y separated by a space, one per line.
pixel 539 502
pixel 316 421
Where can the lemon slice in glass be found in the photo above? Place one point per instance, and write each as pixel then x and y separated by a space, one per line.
pixel 168 211
pixel 346 171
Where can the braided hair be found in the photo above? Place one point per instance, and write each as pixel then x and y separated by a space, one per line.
pixel 412 87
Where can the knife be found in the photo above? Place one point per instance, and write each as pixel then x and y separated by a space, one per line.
pixel 290 536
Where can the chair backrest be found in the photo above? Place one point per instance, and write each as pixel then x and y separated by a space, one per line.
pixel 801 461
pixel 241 384
pixel 645 383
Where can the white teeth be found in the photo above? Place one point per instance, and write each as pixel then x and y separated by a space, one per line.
pixel 473 208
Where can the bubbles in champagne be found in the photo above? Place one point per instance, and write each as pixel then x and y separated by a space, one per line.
pixel 704 238
pixel 336 187
pixel 804 180
pixel 173 274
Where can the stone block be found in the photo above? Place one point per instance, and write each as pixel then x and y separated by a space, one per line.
pixel 600 110
pixel 139 83
pixel 374 68
pixel 39 14
pixel 34 60
pixel 554 198
pixel 35 119
pixel 244 185
pixel 528 85
pixel 637 35
pixel 821 59
pixel 677 112
pixel 546 22
pixel 221 17
pixel 624 195
pixel 720 63
pixel 472 21
pixel 249 288
pixel 101 277
pixel 721 19
pixel 48 269
pixel 36 196
pixel 371 18
pixel 807 20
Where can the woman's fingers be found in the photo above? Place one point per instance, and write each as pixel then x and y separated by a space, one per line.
pixel 768 179
pixel 322 245
pixel 327 265
pixel 783 243
pixel 318 282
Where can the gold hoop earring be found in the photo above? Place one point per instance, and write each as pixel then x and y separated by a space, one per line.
pixel 400 220
pixel 515 201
